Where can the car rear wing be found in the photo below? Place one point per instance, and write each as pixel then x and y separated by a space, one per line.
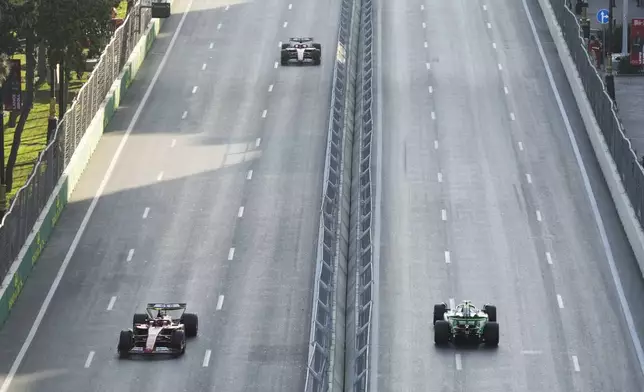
pixel 301 39
pixel 166 306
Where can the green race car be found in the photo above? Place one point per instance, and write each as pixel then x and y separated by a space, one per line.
pixel 465 323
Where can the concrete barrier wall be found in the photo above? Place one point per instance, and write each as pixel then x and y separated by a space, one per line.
pixel 28 257
pixel 618 193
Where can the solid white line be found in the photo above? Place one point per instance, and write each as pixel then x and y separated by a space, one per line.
pixel 160 176
pixel 276 64
pixel 593 202
pixel 130 255
pixel 240 212
pixel 211 45
pixel 494 45
pixel 270 88
pixel 505 88
pixel 425 44
pixel 231 253
pixel 285 24
pixel 90 211
pixel 575 363
pixel 206 359
pixel 452 303
pixel 88 362
pixel 512 116
pixel 433 116
pixel 203 67
pixel 549 258
pixel 459 364
pixel 436 144
pixel 290 6
pixel 194 89
pixel 258 141
pixel 110 306
pixel 443 214
pixel 520 146
pixel 219 26
pixel 249 175
pixel 529 178
pixel 220 302
pixel 264 113
pixel 424 25
pixel 184 115
pixel 489 26
pixel 539 215
pixel 440 177
pixel 500 67
pixel 428 66
pixel 431 90
pixel 174 143
pixel 560 301
pixel 146 212
pixel 448 258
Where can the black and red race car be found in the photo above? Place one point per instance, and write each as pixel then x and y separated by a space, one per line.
pixel 163 329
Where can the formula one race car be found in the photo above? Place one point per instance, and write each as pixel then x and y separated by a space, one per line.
pixel 466 323
pixel 301 50
pixel 161 330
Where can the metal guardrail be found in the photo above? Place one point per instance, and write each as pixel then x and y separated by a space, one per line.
pixel 360 277
pixel 31 198
pixel 603 107
pixel 325 370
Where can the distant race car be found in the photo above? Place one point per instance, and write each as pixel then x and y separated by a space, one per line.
pixel 466 323
pixel 161 330
pixel 301 50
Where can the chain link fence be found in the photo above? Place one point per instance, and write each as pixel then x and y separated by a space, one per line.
pixel 603 107
pixel 30 199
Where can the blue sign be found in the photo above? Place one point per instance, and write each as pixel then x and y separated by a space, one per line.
pixel 602 16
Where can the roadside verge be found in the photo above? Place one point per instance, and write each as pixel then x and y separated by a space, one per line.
pixel 21 268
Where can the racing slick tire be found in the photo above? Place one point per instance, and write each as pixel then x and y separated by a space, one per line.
pixel 139 318
pixel 191 323
pixel 178 342
pixel 126 342
pixel 491 312
pixel 491 334
pixel 441 332
pixel 284 46
pixel 318 47
pixel 439 312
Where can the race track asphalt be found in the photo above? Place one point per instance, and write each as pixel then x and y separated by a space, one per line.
pixel 174 204
pixel 483 199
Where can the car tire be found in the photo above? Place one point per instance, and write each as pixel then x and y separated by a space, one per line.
pixel 191 323
pixel 441 333
pixel 491 312
pixel 285 46
pixel 126 342
pixel 439 312
pixel 491 334
pixel 318 47
pixel 139 318
pixel 178 342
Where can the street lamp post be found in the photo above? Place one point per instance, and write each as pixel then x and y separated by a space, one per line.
pixel 610 81
pixel 625 27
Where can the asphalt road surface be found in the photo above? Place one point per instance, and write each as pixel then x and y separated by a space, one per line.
pixel 483 199
pixel 214 201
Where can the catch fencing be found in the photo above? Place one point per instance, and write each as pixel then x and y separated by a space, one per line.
pixel 360 295
pixel 325 370
pixel 31 198
pixel 603 107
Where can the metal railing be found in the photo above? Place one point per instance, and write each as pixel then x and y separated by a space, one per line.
pixel 31 198
pixel 603 107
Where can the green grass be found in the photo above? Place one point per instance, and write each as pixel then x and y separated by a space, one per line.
pixel 34 136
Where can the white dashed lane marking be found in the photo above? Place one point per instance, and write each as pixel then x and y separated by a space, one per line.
pixel 431 90
pixel 500 67
pixel 489 26
pixel 422 7
pixel 549 258
pixel 448 257
pixel 505 89
pixel 512 116
pixel 425 44
pixel 212 45
pixel 240 212
pixel 146 212
pixel 285 24
pixel 484 7
pixel 528 178
pixel 531 352
pixel 258 141
pixel 440 177
pixel 220 302
pixel 444 214
pixel 436 144
pixel 459 363
pixel 494 45
pixel 264 113
pixel 231 253
pixel 424 25
pixel 184 115
pixel 539 215
pixel 206 358
pixel 560 301
pixel 249 175
pixel 194 89
pixel 270 88
pixel 428 66
pixel 160 176
pixel 130 254
pixel 433 116
pixel 203 67
pixel 520 146
pixel 219 26
pixel 290 6
pixel 110 305
pixel 90 357
pixel 276 64
pixel 575 363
